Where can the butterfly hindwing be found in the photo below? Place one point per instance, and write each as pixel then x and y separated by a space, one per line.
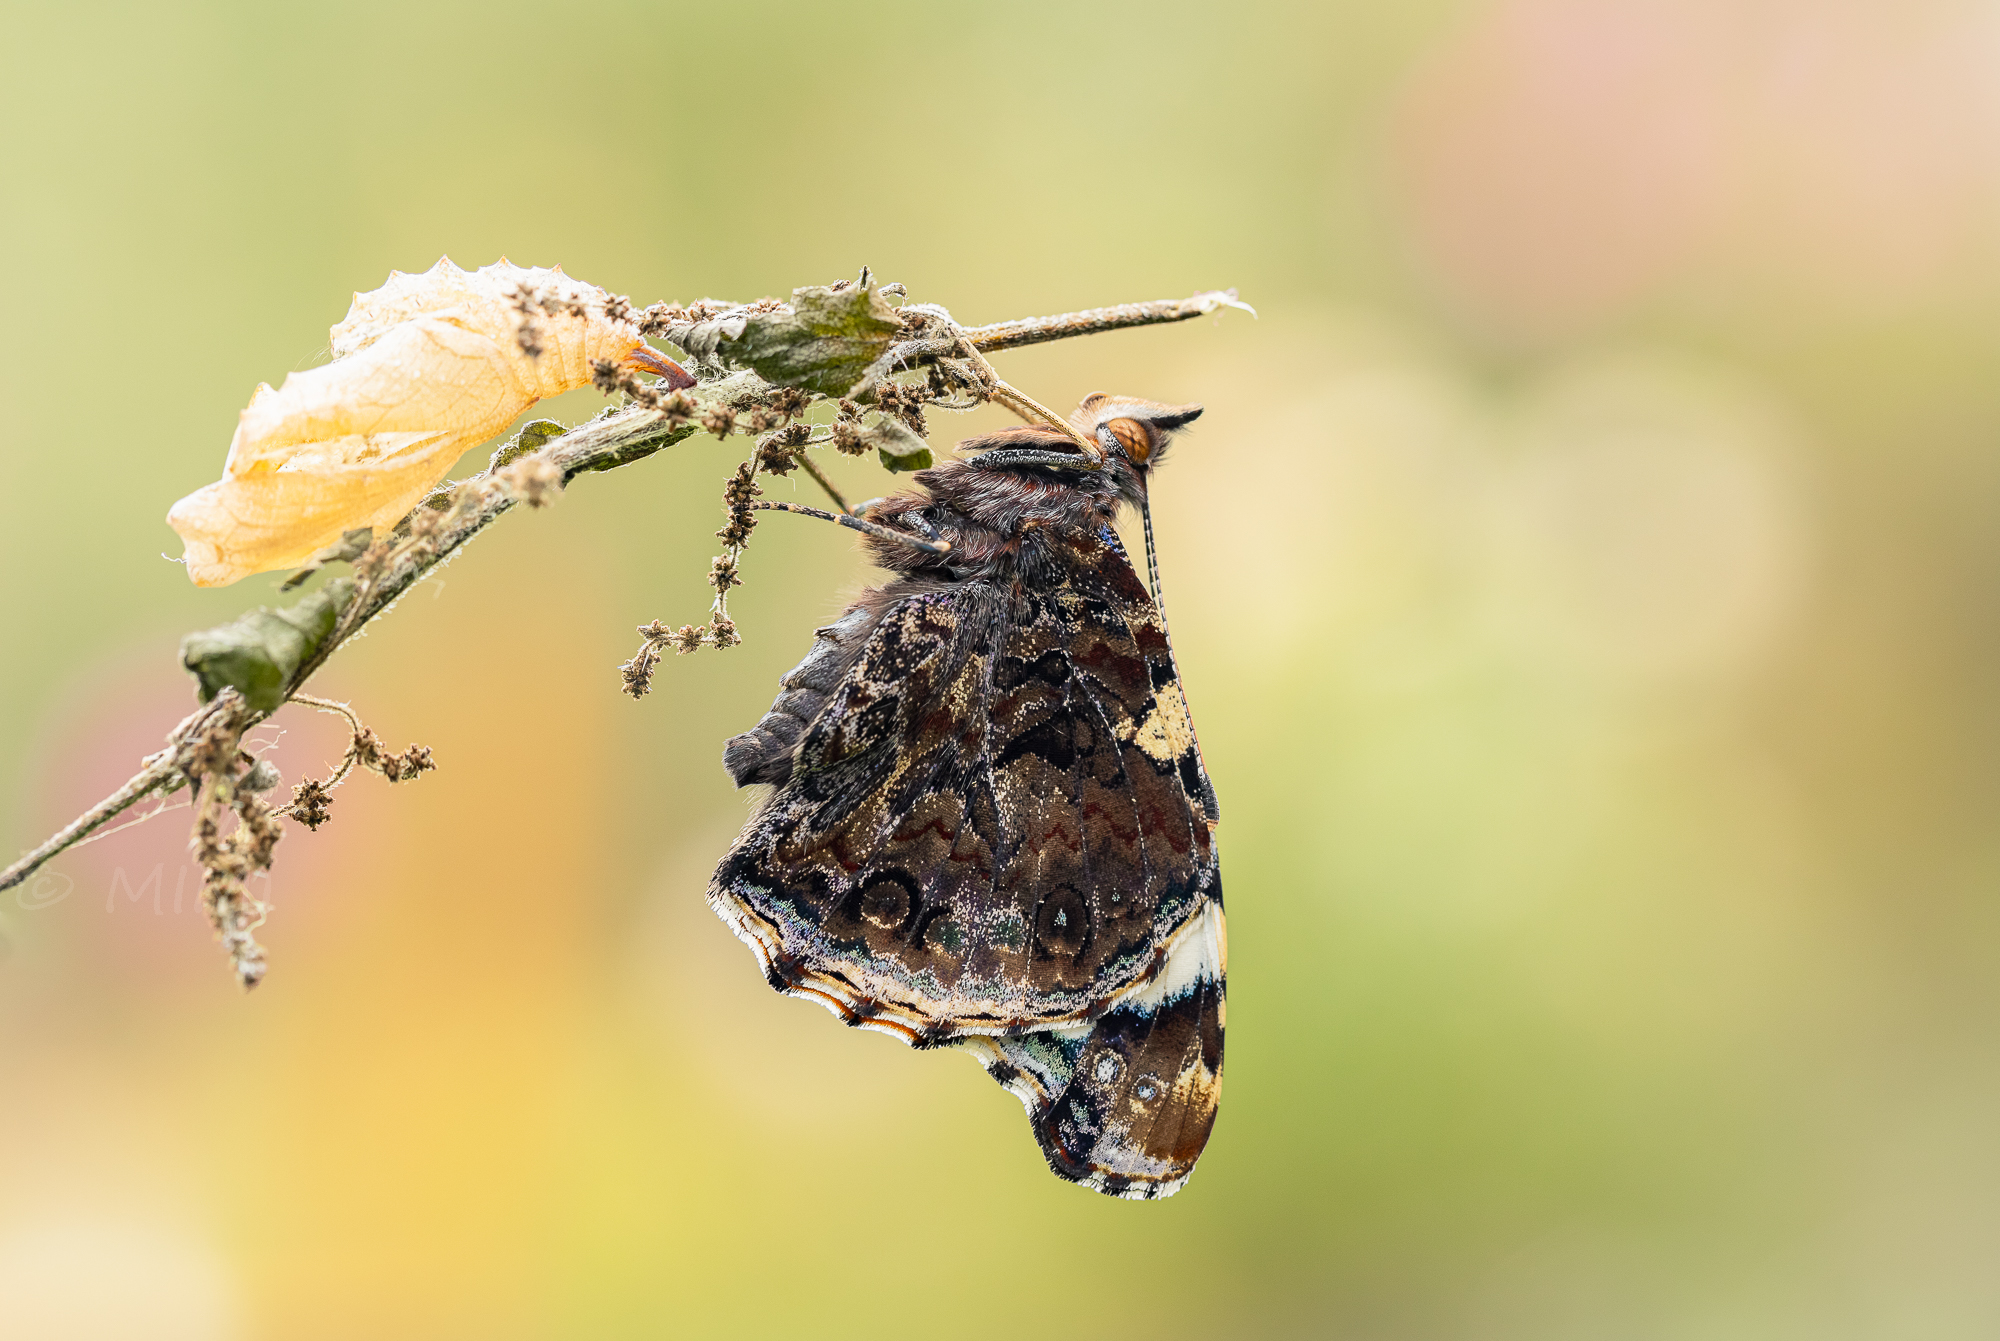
pixel 1125 1104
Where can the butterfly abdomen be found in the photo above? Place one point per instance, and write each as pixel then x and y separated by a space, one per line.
pixel 764 752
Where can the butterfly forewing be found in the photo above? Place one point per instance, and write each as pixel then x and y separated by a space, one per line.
pixel 974 835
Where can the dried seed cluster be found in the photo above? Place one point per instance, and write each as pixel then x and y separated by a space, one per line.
pixel 312 800
pixel 846 437
pixel 904 402
pixel 532 301
pixel 223 778
pixel 535 480
pixel 312 803
pixel 617 380
pixel 720 631
pixel 722 574
pixel 780 452
pixel 372 754
pixel 528 330
pixel 737 494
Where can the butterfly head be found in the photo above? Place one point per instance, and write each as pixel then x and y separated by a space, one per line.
pixel 1104 456
pixel 1134 434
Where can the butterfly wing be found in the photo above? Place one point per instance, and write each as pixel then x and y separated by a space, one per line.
pixel 862 882
pixel 991 823
pixel 1125 1104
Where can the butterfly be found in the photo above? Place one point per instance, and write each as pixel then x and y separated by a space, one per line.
pixel 990 826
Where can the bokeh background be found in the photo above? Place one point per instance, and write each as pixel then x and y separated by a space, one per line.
pixel 1586 578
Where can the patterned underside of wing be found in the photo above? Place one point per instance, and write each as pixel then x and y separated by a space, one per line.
pixel 990 826
pixel 1125 1105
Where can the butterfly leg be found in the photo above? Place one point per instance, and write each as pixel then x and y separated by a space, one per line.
pixel 857 524
pixel 1003 458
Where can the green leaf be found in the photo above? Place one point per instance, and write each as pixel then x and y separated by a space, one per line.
pixel 824 342
pixel 260 653
pixel 534 435
pixel 899 448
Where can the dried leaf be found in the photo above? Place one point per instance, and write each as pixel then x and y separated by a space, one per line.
pixel 423 368
pixel 825 341
pixel 899 447
pixel 259 653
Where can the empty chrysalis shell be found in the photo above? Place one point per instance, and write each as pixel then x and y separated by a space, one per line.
pixel 423 368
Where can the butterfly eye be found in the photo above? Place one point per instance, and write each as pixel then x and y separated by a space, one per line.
pixel 1134 437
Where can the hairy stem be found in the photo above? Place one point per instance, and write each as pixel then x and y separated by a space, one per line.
pixel 1040 330
pixel 152 778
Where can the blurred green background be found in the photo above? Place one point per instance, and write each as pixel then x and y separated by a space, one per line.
pixel 1586 579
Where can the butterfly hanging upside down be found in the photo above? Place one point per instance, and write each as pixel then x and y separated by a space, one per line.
pixel 991 827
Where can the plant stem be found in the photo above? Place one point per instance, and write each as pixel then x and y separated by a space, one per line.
pixel 1039 330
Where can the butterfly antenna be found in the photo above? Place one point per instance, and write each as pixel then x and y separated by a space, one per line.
pixel 1153 580
pixel 1153 564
